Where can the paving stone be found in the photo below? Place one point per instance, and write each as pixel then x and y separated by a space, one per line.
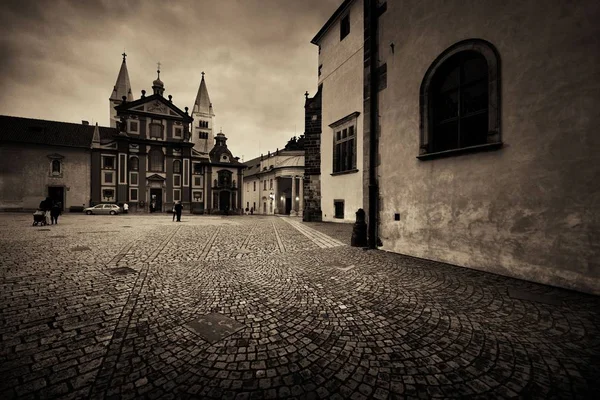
pixel 293 311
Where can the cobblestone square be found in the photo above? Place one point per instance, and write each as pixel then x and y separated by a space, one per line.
pixel 98 307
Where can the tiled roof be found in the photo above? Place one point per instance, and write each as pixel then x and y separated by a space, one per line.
pixel 53 133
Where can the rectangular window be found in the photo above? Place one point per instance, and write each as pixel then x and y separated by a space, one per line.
pixel 133 127
pixel 254 185
pixel 176 194
pixel 176 180
pixel 265 185
pixel 133 194
pixel 133 178
pixel 197 168
pixel 122 168
pixel 254 205
pixel 338 206
pixel 156 130
pixel 108 162
pixel 344 27
pixel 107 178
pixel 271 184
pixel 197 181
pixel 344 149
pixel 108 194
pixel 177 131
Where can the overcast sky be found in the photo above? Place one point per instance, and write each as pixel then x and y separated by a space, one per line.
pixel 60 59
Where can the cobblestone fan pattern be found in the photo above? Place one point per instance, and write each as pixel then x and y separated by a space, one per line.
pixel 102 307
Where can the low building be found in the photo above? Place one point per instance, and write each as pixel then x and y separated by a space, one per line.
pixel 273 183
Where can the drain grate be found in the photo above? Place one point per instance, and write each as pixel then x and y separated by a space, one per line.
pixel 214 327
pixel 537 297
pixel 122 271
pixel 81 248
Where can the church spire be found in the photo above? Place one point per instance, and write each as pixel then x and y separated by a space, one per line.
pixel 123 85
pixel 202 103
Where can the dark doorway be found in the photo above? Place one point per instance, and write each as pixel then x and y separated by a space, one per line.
pixel 288 205
pixel 57 194
pixel 224 201
pixel 155 200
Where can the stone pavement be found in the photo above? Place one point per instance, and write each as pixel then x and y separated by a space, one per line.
pixel 269 307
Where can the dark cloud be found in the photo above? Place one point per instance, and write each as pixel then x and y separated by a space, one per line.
pixel 60 59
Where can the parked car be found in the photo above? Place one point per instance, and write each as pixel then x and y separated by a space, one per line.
pixel 111 209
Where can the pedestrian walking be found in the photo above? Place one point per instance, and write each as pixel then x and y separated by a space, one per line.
pixel 125 208
pixel 55 212
pixel 178 209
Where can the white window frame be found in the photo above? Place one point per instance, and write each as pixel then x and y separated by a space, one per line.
pixel 177 128
pixel 131 175
pixel 176 194
pixel 112 173
pixel 130 129
pixel 175 178
pixel 201 178
pixel 137 192
pixel 105 156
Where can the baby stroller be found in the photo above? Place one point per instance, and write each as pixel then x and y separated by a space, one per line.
pixel 39 217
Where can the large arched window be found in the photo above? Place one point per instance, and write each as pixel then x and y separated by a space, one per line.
pixel 156 160
pixel 460 101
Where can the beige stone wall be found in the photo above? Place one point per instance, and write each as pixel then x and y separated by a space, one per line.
pixel 25 175
pixel 342 79
pixel 531 209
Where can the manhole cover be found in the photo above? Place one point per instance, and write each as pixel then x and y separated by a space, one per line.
pixel 537 297
pixel 214 327
pixel 122 271
pixel 80 248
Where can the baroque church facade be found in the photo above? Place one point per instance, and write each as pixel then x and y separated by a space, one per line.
pixel 152 155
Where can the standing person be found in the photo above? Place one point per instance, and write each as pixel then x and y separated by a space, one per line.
pixel 178 209
pixel 55 212
pixel 125 208
pixel 153 204
pixel 174 211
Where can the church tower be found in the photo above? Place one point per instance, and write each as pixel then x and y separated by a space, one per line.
pixel 121 88
pixel 202 112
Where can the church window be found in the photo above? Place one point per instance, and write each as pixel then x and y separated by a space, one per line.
pixel 133 194
pixel 176 180
pixel 265 184
pixel 177 131
pixel 459 101
pixel 133 178
pixel 176 194
pixel 108 178
pixel 108 162
pixel 176 167
pixel 156 160
pixel 134 163
pixel 197 181
pixel 254 186
pixel 344 27
pixel 224 178
pixel 271 184
pixel 344 144
pixel 156 129
pixel 56 167
pixel 133 126
pixel 197 168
